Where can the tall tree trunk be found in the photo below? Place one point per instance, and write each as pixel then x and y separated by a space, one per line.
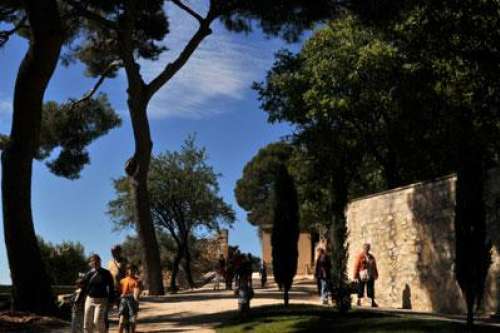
pixel 187 266
pixel 31 284
pixel 338 236
pixel 175 268
pixel 137 169
pixel 286 296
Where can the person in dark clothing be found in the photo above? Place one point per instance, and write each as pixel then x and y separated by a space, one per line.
pixel 263 274
pixel 220 271
pixel 77 310
pixel 322 274
pixel 245 289
pixel 117 266
pixel 100 290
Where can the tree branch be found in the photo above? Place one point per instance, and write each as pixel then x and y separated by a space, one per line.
pixel 172 68
pixel 5 35
pixel 112 66
pixel 191 12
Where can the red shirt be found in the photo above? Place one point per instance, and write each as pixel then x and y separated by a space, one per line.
pixel 366 261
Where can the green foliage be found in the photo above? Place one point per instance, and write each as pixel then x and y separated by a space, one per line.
pixel 285 232
pixel 284 18
pixel 100 46
pixel 148 24
pixel 372 111
pixel 254 189
pixel 63 261
pixel 184 202
pixel 183 191
pixel 121 208
pixel 132 249
pixel 347 91
pixel 70 128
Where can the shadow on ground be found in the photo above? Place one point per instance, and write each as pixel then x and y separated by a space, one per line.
pixel 309 318
pixel 207 295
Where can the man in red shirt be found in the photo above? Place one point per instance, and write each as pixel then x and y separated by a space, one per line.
pixel 365 272
pixel 130 290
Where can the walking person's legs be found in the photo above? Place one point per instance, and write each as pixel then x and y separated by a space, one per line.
pixel 324 291
pixel 370 292
pixel 100 313
pixel 88 317
pixel 106 318
pixel 361 291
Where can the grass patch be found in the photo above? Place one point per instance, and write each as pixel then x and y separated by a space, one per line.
pixel 305 318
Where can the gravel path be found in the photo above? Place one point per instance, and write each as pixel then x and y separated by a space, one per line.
pixel 203 309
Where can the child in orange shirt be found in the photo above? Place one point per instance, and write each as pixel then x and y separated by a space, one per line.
pixel 130 288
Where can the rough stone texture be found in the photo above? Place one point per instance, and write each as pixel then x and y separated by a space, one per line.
pixel 412 236
pixel 304 262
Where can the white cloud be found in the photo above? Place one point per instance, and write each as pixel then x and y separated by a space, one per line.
pixel 219 72
pixel 5 107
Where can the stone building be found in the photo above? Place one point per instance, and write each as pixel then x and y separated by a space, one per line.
pixel 411 231
pixel 305 262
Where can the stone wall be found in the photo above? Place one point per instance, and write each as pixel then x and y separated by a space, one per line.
pixel 304 262
pixel 412 236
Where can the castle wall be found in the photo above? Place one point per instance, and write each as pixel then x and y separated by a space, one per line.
pixel 411 232
pixel 304 262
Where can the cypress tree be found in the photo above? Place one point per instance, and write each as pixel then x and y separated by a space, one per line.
pixel 285 233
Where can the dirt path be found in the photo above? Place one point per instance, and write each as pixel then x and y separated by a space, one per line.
pixel 202 310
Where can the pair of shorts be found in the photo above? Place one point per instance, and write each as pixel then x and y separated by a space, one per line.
pixel 370 288
pixel 128 308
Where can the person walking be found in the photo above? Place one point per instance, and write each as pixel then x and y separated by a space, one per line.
pixel 322 274
pixel 220 271
pixel 263 274
pixel 130 289
pixel 77 307
pixel 117 266
pixel 100 289
pixel 245 289
pixel 366 273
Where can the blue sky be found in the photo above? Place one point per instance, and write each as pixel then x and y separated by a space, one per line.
pixel 210 96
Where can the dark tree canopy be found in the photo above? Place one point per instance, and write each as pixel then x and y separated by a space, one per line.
pixel 348 90
pixel 70 128
pixel 284 18
pixel 254 189
pixel 64 261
